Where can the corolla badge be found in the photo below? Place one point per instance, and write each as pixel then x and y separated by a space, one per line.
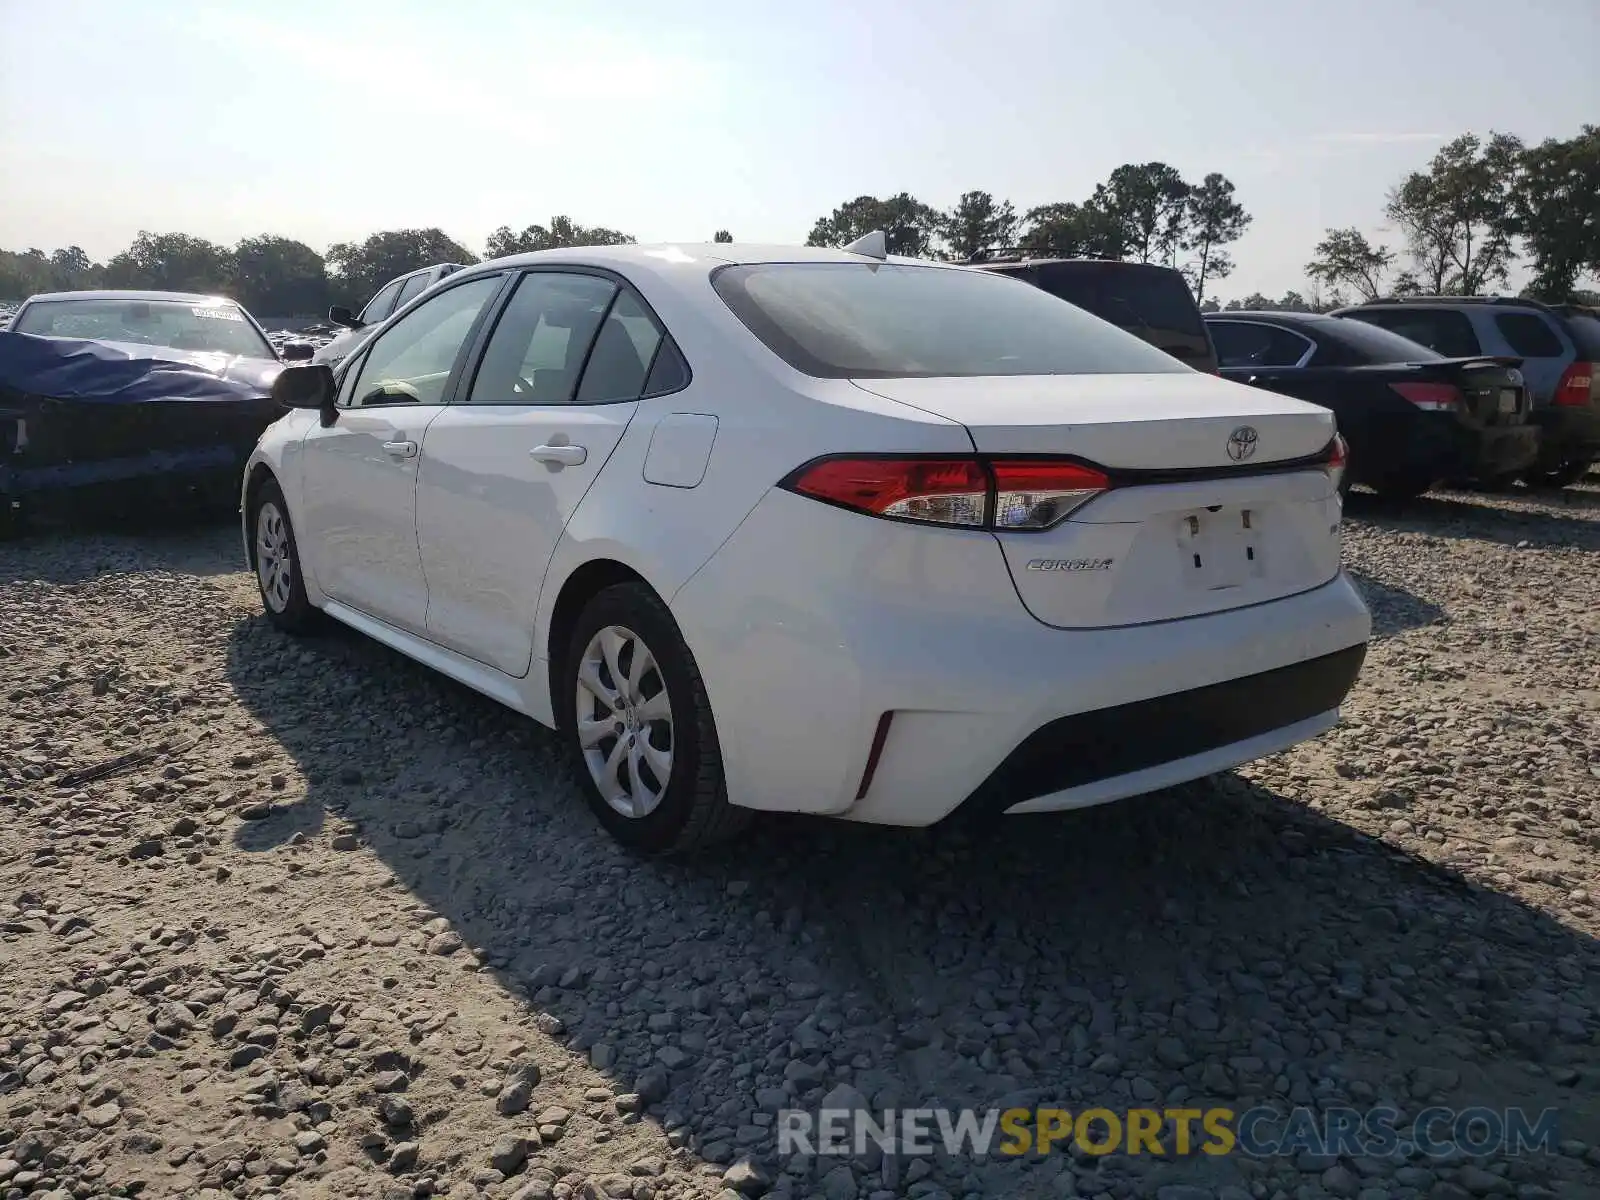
pixel 1070 564
pixel 1242 443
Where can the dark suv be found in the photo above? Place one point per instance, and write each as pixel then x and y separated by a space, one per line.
pixel 1559 349
pixel 1151 301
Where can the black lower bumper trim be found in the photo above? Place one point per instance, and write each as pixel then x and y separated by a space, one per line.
pixel 1108 742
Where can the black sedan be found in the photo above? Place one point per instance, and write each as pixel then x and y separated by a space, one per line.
pixel 1412 417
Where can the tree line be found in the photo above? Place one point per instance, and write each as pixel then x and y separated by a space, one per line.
pixel 1479 208
pixel 1474 212
pixel 276 276
pixel 1145 212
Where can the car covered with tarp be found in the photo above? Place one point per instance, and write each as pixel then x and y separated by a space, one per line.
pixel 115 403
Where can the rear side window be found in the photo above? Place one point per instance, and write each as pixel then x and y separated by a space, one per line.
pixel 1584 330
pixel 1442 329
pixel 413 287
pixel 1528 335
pixel 669 373
pixel 621 356
pixel 1373 344
pixel 883 321
pixel 1250 344
pixel 381 305
pixel 539 344
pixel 1130 298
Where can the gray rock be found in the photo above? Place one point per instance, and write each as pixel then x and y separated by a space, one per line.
pixel 514 1098
pixel 746 1178
pixel 839 1184
pixel 508 1153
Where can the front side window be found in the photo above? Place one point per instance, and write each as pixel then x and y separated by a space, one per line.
pixel 210 327
pixel 879 321
pixel 542 339
pixel 1251 344
pixel 411 361
pixel 381 305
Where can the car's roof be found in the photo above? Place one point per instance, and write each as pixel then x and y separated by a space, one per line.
pixel 178 297
pixel 1002 264
pixel 689 256
pixel 1270 314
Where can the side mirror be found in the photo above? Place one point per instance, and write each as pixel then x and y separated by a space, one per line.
pixel 340 315
pixel 297 351
pixel 309 386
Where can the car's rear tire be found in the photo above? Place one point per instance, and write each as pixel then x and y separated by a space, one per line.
pixel 1568 473
pixel 276 557
pixel 635 717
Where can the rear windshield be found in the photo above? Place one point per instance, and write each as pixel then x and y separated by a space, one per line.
pixel 865 321
pixel 212 327
pixel 1129 297
pixel 1376 344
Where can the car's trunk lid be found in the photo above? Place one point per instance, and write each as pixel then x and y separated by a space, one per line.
pixel 1184 420
pixel 1216 499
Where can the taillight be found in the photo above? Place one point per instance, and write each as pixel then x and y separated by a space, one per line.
pixel 1035 495
pixel 1431 397
pixel 1338 457
pixel 941 491
pixel 970 493
pixel 1576 380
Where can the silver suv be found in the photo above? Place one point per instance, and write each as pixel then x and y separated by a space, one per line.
pixel 390 299
pixel 1559 351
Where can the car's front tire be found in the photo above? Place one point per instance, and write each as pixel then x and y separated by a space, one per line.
pixel 276 558
pixel 638 724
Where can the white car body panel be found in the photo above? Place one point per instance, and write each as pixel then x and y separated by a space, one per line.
pixel 489 515
pixel 835 619
pixel 356 518
pixel 810 622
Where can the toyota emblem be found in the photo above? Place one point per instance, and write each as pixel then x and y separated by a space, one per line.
pixel 1242 443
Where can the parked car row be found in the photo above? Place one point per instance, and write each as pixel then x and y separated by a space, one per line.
pixel 1426 390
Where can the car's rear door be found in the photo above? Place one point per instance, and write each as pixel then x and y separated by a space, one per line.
pixel 505 467
pixel 356 522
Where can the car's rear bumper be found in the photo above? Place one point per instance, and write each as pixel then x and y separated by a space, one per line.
pixel 1457 451
pixel 811 623
pixel 1107 753
pixel 1567 434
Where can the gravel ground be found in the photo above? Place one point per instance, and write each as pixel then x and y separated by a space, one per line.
pixel 303 920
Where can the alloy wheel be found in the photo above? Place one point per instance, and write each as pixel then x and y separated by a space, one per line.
pixel 274 563
pixel 624 721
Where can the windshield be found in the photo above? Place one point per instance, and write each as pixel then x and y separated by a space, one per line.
pixel 849 320
pixel 1377 345
pixel 215 328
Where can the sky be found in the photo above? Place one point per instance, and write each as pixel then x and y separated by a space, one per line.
pixel 326 120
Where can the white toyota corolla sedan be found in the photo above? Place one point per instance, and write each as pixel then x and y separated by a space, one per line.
pixel 823 531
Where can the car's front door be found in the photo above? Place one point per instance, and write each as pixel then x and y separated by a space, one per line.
pixel 504 468
pixel 357 519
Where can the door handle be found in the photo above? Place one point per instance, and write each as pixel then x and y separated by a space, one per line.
pixel 401 449
pixel 566 454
